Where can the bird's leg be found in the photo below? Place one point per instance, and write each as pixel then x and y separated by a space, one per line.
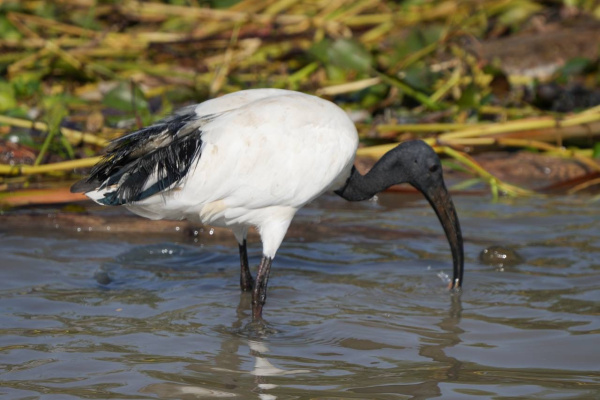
pixel 259 295
pixel 246 281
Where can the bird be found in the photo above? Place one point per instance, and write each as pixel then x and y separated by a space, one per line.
pixel 253 158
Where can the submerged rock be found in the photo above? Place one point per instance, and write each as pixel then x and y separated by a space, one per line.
pixel 102 278
pixel 500 256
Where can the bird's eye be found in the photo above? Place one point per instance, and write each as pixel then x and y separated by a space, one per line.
pixel 433 168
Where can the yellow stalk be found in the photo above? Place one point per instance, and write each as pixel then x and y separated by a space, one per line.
pixel 559 151
pixel 348 87
pixel 48 168
pixel 503 127
pixel 72 135
pixel 375 151
pixel 280 6
pixel 223 70
pixel 369 19
pixel 52 24
pixel 584 185
pixel 436 127
pixel 377 32
pixel 494 182
pixel 354 9
pixel 523 125
pixel 448 85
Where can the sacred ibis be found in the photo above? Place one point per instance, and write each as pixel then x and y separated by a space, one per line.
pixel 253 158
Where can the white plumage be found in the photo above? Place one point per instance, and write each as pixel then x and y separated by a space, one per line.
pixel 265 154
pixel 253 158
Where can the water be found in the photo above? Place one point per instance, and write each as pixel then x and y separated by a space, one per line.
pixel 357 308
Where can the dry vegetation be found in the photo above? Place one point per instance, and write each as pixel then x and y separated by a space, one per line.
pixel 466 76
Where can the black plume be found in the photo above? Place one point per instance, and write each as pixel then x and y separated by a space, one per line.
pixel 163 153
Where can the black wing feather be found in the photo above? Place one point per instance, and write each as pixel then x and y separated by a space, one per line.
pixel 164 151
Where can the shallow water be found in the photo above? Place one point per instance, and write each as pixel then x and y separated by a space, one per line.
pixel 357 309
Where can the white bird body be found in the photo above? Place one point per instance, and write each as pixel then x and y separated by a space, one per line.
pixel 265 153
pixel 253 158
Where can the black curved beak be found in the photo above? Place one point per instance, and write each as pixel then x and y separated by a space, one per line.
pixel 441 202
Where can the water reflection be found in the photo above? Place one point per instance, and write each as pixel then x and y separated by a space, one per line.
pixel 433 346
pixel 243 351
pixel 356 310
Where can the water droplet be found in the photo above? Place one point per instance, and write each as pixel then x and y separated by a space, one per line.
pixel 108 228
pixel 177 228
pixel 78 229
pixel 444 277
pixel 211 231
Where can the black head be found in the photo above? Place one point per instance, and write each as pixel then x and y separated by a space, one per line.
pixel 415 163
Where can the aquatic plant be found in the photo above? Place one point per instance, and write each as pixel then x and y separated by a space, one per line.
pixel 75 74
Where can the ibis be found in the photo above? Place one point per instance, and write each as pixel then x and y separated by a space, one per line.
pixel 252 159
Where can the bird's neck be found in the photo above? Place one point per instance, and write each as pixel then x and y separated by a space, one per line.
pixel 362 187
pixel 358 187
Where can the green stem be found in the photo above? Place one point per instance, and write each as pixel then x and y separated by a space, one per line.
pixel 409 91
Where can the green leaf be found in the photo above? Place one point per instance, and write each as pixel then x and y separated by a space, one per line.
pixel 517 12
pixel 46 10
pixel 126 97
pixel 8 30
pixel 417 39
pixel 469 97
pixel 86 18
pixel 27 83
pixel 346 54
pixel 575 66
pixel 222 3
pixel 319 50
pixel 178 25
pixel 420 77
pixel 596 150
pixel 373 95
pixel 7 96
pixel 350 54
pixel 335 73
pixel 54 111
